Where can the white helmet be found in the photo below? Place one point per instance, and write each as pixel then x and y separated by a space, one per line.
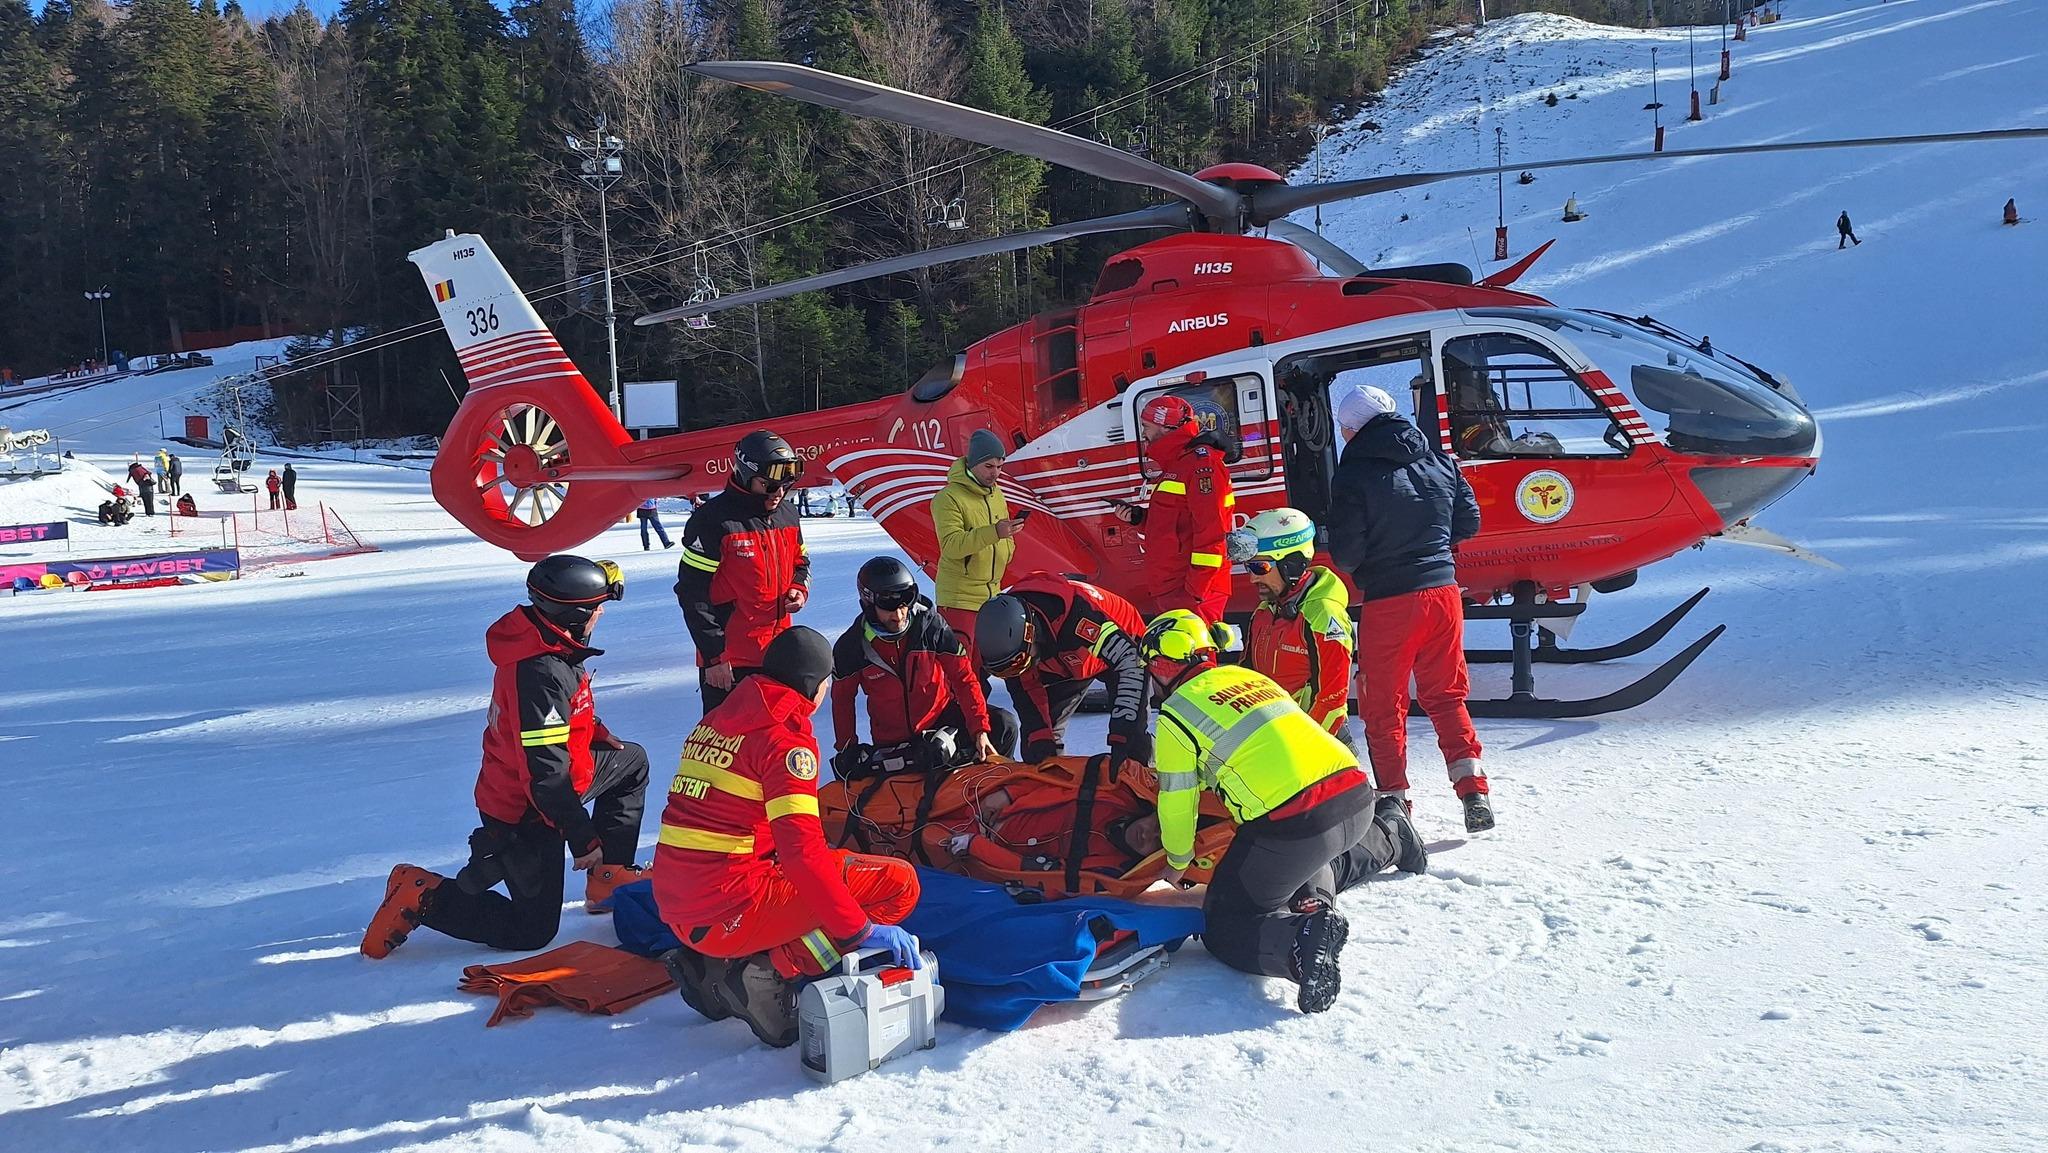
pixel 1283 533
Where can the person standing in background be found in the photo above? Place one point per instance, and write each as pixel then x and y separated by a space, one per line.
pixel 650 515
pixel 977 538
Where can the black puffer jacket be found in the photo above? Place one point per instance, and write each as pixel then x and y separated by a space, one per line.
pixel 1397 505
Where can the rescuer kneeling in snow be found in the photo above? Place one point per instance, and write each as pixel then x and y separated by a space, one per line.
pixel 744 876
pixel 1307 825
pixel 545 756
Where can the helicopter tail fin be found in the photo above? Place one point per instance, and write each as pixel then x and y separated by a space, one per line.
pixel 1513 272
pixel 498 337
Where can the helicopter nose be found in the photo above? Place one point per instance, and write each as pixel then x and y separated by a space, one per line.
pixel 1740 491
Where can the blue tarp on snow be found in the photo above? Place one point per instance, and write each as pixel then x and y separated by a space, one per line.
pixel 999 960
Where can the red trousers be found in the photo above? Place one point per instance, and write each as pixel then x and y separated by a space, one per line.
pixel 779 923
pixel 1418 636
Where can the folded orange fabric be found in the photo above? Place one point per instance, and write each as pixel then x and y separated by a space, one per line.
pixel 583 975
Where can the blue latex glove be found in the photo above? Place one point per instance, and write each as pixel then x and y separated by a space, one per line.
pixel 901 945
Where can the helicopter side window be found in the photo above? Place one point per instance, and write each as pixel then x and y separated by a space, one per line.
pixel 1225 406
pixel 1510 397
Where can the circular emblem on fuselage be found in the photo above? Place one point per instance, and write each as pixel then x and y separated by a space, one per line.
pixel 1545 496
pixel 803 764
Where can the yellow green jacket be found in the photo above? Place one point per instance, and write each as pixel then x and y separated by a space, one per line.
pixel 1237 733
pixel 972 559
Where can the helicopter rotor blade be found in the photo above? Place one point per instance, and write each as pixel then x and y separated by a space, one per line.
pixel 880 102
pixel 1317 245
pixel 1158 216
pixel 1272 203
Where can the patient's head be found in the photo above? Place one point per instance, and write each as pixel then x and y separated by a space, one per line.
pixel 1138 836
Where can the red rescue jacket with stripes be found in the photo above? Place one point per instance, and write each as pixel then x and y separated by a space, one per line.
pixel 1094 632
pixel 1186 525
pixel 738 562
pixel 537 741
pixel 1304 643
pixel 744 803
pixel 909 679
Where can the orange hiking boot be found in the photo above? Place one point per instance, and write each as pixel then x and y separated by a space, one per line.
pixel 599 883
pixel 405 898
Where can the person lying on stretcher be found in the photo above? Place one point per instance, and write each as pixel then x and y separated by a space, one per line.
pixel 1031 826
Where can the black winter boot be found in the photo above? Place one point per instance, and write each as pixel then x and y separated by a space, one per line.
pixel 1410 856
pixel 758 995
pixel 698 977
pixel 1316 946
pixel 1478 813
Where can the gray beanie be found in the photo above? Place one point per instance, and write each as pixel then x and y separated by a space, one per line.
pixel 983 446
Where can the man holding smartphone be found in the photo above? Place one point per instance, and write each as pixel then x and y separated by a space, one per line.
pixel 977 537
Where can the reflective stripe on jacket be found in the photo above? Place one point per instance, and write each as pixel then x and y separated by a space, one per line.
pixel 1236 733
pixel 1186 525
pixel 738 562
pixel 744 804
pixel 537 740
pixel 972 558
pixel 1305 644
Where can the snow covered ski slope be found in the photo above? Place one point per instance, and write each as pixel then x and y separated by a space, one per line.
pixel 1792 904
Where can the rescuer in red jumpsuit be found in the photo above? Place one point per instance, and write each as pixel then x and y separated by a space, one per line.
pixel 1189 517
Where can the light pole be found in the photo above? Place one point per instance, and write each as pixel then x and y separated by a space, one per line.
pixel 100 298
pixel 1656 118
pixel 1500 193
pixel 603 167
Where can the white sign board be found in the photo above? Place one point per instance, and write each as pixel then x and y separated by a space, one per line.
pixel 649 404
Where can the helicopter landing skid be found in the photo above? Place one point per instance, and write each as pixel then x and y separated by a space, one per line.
pixel 1547 652
pixel 1522 702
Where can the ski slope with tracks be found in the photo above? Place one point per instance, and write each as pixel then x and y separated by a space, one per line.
pixel 1792 904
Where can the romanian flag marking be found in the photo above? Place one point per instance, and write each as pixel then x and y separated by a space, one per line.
pixel 444 292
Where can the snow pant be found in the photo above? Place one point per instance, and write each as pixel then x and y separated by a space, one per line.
pixel 527 859
pixel 1844 241
pixel 716 697
pixel 291 495
pixel 1418 636
pixel 1274 867
pixel 172 487
pixel 961 621
pixel 779 922
pixel 648 518
pixel 276 499
pixel 149 500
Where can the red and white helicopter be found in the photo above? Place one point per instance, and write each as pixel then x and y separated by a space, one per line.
pixel 1596 443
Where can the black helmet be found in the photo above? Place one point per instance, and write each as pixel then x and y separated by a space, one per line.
pixel 567 588
pixel 761 453
pixel 887 583
pixel 1005 635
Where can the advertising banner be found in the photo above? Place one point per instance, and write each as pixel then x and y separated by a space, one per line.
pixel 25 534
pixel 184 567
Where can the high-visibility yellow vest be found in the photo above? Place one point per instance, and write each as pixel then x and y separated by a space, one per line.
pixel 1236 732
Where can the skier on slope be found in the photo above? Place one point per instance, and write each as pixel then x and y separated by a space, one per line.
pixel 546 754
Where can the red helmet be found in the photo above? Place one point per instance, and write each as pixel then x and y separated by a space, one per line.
pixel 1169 410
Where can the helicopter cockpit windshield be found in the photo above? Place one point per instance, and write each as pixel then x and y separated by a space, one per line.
pixel 1697 403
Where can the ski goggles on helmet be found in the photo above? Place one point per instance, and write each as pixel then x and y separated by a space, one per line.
pixel 1261 565
pixel 1015 664
pixel 780 473
pixel 889 600
pixel 614 580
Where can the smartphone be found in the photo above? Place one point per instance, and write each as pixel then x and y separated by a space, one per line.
pixel 1022 514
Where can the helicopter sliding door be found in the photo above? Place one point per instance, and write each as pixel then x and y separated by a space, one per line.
pixel 1310 384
